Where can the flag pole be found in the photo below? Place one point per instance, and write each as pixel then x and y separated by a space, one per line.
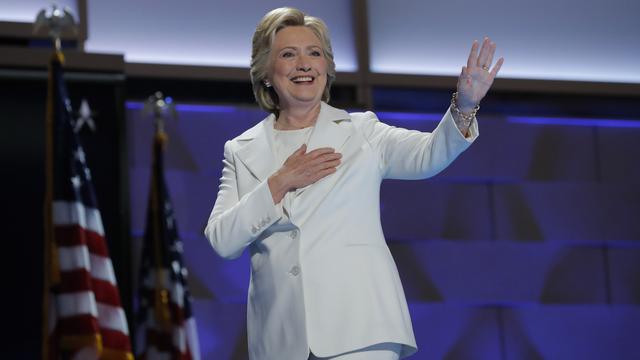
pixel 162 256
pixel 159 104
pixel 48 218
pixel 55 20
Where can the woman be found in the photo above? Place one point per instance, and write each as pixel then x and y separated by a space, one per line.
pixel 301 190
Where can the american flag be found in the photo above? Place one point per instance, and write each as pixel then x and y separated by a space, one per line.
pixel 85 317
pixel 166 328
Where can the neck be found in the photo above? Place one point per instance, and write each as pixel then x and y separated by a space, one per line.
pixel 298 117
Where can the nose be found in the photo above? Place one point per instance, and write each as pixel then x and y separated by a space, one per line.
pixel 303 64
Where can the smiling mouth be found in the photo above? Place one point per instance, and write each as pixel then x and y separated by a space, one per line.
pixel 303 79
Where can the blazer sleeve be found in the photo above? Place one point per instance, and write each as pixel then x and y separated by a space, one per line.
pixel 236 222
pixel 411 154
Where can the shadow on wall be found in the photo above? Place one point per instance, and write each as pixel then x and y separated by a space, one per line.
pixel 556 154
pixel 576 276
pixel 456 224
pixel 517 341
pixel 418 285
pixel 521 222
pixel 478 340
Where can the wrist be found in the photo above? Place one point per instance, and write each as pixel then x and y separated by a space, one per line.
pixel 466 109
pixel 278 187
pixel 463 112
pixel 463 106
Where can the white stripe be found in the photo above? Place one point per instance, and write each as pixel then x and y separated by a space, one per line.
pixel 78 257
pixel 102 268
pixel 176 289
pixel 180 339
pixel 75 213
pixel 111 317
pixel 183 337
pixel 152 323
pixel 79 303
pixel 177 294
pixel 153 353
pixel 74 258
pixel 192 338
pixel 86 353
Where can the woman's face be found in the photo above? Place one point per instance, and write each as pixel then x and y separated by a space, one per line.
pixel 298 68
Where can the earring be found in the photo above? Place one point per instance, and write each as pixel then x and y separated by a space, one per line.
pixel 267 83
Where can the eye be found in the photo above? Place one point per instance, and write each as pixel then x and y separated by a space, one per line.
pixel 316 53
pixel 287 54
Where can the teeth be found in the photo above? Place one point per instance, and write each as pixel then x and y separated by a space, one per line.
pixel 302 79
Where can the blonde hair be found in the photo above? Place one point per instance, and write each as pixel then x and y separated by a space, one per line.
pixel 274 21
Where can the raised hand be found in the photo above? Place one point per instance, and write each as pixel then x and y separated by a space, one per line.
pixel 302 169
pixel 477 77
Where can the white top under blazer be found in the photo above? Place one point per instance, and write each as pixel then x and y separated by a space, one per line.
pixel 325 279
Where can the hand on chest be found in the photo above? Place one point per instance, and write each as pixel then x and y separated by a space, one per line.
pixel 357 174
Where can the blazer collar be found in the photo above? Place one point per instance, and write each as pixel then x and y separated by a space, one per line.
pixel 258 154
pixel 328 132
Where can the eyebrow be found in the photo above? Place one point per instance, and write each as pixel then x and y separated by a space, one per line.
pixel 295 48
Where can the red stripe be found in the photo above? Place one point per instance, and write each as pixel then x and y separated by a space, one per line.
pixel 77 325
pixel 74 235
pixel 177 314
pixel 52 344
pixel 162 341
pixel 74 281
pixel 114 339
pixel 84 325
pixel 81 280
pixel 176 355
pixel 97 244
pixel 106 293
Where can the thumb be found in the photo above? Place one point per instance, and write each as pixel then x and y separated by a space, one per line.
pixel 302 149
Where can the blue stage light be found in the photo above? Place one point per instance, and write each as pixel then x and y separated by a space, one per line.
pixel 614 123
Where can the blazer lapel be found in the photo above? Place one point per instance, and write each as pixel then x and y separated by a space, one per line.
pixel 257 154
pixel 328 132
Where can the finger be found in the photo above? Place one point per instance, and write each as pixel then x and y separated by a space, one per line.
pixel 328 157
pixel 465 78
pixel 496 68
pixel 300 151
pixel 323 173
pixel 492 50
pixel 310 177
pixel 321 151
pixel 327 164
pixel 318 162
pixel 473 54
pixel 482 58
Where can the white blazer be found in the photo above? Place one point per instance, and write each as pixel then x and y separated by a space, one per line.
pixel 327 280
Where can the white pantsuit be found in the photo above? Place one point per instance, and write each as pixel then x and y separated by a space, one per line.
pixel 324 278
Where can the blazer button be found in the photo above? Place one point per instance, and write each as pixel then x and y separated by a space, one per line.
pixel 293 234
pixel 295 270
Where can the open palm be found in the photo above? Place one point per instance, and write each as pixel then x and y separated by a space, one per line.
pixel 477 76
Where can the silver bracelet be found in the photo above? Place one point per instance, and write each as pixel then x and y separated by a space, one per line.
pixel 466 118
